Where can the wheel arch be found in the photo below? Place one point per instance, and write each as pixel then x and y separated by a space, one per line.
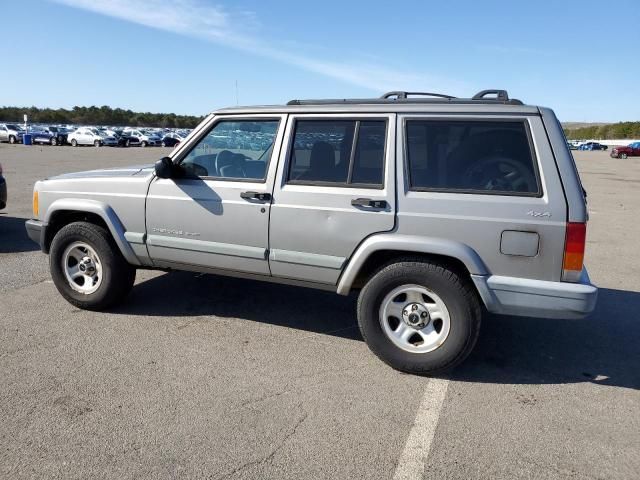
pixel 380 250
pixel 64 211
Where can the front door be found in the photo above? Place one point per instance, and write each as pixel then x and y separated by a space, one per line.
pixel 335 187
pixel 217 214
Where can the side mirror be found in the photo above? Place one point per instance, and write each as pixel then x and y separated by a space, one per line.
pixel 164 168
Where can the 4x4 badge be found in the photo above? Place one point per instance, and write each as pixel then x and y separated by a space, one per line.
pixel 539 214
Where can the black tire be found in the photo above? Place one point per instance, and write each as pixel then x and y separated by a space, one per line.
pixel 143 144
pixel 623 156
pixel 459 296
pixel 164 144
pixel 12 139
pixel 53 141
pixel 127 143
pixel 74 143
pixel 118 276
pixel 97 143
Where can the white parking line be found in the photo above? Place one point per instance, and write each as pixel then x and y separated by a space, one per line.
pixel 416 450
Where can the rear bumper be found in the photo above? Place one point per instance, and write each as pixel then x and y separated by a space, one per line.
pixel 36 230
pixel 537 298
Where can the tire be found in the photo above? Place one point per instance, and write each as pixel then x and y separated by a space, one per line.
pixel 97 143
pixel 116 276
pixel 143 144
pixel 12 139
pixel 74 143
pixel 164 144
pixel 53 142
pixel 127 143
pixel 623 156
pixel 450 296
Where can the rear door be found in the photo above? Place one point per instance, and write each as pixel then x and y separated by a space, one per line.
pixel 334 187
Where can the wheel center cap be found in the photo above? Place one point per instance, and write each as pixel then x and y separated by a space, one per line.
pixel 86 265
pixel 416 316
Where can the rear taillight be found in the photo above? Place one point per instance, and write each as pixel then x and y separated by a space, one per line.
pixel 574 251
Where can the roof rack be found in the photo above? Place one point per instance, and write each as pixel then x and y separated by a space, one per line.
pixel 484 96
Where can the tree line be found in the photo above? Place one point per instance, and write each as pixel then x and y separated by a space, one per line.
pixel 605 132
pixel 93 115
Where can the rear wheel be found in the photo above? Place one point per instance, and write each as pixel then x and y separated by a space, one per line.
pixel 87 267
pixel 164 144
pixel 143 144
pixel 419 317
pixel 127 143
pixel 623 156
pixel 53 141
pixel 12 139
pixel 74 143
pixel 97 143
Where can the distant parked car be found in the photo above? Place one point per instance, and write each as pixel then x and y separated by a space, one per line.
pixel 592 146
pixel 50 135
pixel 86 136
pixel 171 139
pixel 140 138
pixel 10 132
pixel 110 140
pixel 3 190
pixel 631 150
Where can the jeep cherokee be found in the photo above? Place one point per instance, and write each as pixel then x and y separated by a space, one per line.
pixel 432 208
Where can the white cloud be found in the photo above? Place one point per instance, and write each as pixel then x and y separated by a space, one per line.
pixel 214 23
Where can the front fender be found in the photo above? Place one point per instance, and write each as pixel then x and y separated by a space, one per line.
pixel 413 244
pixel 105 212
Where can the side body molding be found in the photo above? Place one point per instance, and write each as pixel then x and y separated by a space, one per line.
pixel 409 243
pixel 105 212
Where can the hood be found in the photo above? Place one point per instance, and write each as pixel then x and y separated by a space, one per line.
pixel 105 173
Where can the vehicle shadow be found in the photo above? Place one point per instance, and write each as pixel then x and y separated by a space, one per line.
pixel 602 349
pixel 189 294
pixel 13 236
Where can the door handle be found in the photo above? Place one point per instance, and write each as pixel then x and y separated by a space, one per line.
pixel 368 203
pixel 260 196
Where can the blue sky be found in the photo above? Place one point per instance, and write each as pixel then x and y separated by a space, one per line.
pixel 185 56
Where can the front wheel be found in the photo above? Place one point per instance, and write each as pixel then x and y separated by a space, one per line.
pixel 623 156
pixel 143 144
pixel 419 317
pixel 53 141
pixel 74 143
pixel 87 267
pixel 12 139
pixel 97 143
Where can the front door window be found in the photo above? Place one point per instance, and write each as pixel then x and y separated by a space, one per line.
pixel 233 149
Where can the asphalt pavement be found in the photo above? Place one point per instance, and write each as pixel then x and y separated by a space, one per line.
pixel 198 376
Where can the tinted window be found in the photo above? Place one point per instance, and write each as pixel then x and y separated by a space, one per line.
pixel 368 161
pixel 233 149
pixel 323 152
pixel 489 157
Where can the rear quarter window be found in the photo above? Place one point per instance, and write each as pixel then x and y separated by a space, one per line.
pixel 488 157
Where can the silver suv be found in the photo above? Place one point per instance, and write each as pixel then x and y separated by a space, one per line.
pixel 432 208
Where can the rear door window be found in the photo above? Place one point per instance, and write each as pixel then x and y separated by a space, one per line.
pixel 489 157
pixel 338 152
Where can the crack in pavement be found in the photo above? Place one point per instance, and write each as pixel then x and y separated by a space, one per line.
pixel 273 453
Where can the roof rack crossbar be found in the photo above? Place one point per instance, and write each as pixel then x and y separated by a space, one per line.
pixel 404 95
